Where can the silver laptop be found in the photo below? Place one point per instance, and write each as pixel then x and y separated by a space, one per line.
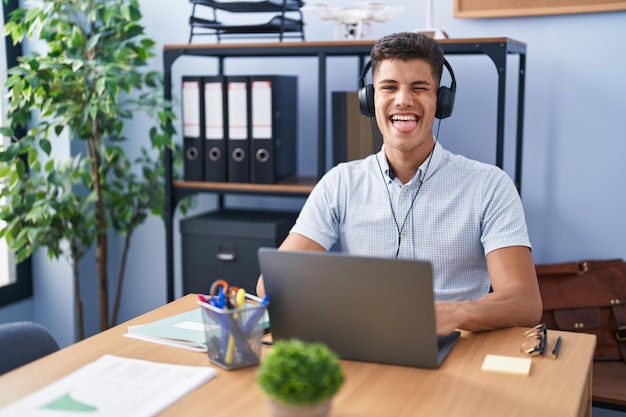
pixel 365 309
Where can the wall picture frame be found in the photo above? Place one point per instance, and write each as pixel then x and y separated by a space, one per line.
pixel 517 8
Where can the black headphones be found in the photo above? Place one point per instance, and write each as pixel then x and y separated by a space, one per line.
pixel 445 95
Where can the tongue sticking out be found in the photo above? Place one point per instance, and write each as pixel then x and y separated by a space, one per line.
pixel 405 126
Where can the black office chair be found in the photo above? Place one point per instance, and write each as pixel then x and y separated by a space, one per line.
pixel 23 342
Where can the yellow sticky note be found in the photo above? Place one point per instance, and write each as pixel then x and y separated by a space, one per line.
pixel 506 365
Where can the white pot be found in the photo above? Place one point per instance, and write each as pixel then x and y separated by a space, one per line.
pixel 278 409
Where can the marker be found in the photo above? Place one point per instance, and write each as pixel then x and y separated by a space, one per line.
pixel 557 346
pixel 230 349
pixel 256 314
pixel 221 298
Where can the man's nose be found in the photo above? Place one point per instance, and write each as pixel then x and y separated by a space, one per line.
pixel 403 97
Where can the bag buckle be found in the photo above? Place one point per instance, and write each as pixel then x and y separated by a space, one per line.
pixel 620 334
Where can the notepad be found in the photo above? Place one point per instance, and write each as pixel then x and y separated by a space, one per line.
pixel 506 365
pixel 185 330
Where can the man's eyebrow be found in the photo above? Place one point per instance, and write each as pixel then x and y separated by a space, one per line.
pixel 392 81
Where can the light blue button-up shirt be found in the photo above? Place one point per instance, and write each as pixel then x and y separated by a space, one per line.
pixel 464 209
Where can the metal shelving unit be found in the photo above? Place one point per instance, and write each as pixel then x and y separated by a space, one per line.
pixel 497 49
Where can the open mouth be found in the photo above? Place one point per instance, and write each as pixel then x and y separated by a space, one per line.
pixel 404 122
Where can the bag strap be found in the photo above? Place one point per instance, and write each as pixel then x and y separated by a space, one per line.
pixel 619 312
pixel 567 268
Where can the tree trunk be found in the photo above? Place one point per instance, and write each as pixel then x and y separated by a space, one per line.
pixel 77 300
pixel 120 279
pixel 93 148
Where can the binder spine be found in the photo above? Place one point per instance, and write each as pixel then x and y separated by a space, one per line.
pixel 273 133
pixel 238 132
pixel 193 120
pixel 215 126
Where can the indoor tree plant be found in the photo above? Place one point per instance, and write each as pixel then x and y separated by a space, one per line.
pixel 88 81
pixel 300 378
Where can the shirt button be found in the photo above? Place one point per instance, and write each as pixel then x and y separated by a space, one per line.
pixel 405 233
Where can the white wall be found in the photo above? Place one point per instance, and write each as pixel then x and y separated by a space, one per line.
pixel 575 118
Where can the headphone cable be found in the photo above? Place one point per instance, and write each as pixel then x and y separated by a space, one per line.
pixel 399 228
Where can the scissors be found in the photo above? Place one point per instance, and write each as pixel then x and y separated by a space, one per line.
pixel 232 296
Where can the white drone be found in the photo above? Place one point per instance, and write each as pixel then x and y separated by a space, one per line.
pixel 356 21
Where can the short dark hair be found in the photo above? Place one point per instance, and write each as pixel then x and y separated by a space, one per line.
pixel 406 46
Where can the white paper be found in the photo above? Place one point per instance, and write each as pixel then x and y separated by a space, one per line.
pixel 113 386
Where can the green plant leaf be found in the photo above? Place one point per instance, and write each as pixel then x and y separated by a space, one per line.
pixel 77 64
pixel 46 146
pixel 6 131
pixel 93 41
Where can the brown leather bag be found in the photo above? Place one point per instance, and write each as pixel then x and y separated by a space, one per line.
pixel 589 297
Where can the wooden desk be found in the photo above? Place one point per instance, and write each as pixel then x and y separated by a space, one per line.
pixel 554 387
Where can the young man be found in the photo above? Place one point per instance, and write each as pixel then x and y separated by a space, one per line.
pixel 416 200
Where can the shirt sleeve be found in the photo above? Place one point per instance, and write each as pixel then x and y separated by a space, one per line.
pixel 504 222
pixel 319 219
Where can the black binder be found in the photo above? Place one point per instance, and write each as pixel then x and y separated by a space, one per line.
pixel 215 128
pixel 352 131
pixel 273 107
pixel 192 128
pixel 238 132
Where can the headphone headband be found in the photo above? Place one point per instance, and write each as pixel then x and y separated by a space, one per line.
pixel 366 68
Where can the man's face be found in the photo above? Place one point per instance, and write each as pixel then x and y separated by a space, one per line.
pixel 405 99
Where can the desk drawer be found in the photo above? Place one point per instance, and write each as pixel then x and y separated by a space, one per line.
pixel 223 245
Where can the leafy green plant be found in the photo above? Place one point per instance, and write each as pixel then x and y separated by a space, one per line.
pixel 87 83
pixel 300 373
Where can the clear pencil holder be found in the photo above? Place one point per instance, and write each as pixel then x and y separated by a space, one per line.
pixel 233 336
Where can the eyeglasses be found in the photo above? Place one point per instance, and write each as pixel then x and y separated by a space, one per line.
pixel 535 340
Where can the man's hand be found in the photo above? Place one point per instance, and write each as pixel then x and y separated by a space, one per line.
pixel 446 317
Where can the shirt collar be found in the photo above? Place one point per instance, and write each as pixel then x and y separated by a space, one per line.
pixel 434 161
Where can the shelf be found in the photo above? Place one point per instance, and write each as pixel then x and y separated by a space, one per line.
pixel 334 48
pixel 298 186
pixel 496 48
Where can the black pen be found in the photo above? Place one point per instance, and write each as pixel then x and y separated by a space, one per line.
pixel 557 346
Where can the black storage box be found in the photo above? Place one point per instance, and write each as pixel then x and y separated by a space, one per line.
pixel 223 245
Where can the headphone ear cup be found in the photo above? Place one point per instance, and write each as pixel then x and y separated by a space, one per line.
pixel 445 102
pixel 366 100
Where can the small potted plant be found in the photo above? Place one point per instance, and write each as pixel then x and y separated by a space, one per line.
pixel 300 378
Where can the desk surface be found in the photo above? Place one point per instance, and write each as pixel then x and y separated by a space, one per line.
pixel 459 388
